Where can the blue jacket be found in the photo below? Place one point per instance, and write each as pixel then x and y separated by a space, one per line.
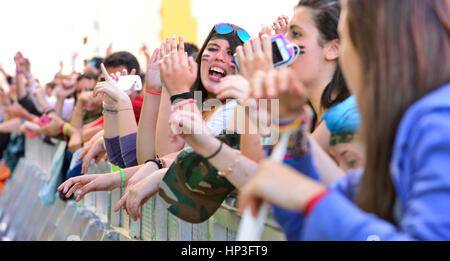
pixel 420 168
pixel 291 221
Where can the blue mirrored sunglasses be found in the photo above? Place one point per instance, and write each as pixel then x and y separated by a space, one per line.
pixel 224 29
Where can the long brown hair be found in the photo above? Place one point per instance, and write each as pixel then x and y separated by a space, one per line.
pixel 404 46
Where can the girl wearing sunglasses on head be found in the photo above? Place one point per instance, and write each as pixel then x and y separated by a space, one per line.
pixel 181 76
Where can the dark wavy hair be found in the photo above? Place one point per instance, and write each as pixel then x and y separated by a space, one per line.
pixel 234 42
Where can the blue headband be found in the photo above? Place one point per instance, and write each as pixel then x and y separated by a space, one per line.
pixel 343 117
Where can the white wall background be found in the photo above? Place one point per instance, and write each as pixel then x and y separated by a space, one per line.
pixel 48 31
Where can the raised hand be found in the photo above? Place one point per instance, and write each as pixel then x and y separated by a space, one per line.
pixel 282 84
pixel 63 93
pixel 233 87
pixel 27 67
pixel 179 71
pixel 281 25
pixel 255 55
pixel 144 50
pixel 153 76
pixel 110 88
pixel 19 60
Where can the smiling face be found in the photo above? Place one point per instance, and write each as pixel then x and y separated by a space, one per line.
pixel 319 56
pixel 216 63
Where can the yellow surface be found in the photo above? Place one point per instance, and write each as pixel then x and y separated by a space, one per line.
pixel 177 19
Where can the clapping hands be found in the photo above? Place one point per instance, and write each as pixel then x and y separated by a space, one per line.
pixel 178 71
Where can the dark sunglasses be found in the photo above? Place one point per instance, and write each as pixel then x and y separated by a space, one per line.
pixel 224 29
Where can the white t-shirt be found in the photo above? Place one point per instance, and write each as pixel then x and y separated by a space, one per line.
pixel 220 119
pixel 67 107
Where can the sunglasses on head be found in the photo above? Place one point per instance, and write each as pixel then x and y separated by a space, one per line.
pixel 224 29
pixel 92 63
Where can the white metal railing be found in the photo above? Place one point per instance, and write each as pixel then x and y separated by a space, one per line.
pixel 156 223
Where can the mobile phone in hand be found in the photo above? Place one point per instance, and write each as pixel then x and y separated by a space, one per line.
pixel 44 120
pixel 126 83
pixel 281 54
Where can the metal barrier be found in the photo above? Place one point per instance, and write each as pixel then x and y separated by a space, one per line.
pixel 93 218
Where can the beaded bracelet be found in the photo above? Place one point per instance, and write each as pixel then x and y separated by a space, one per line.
pixel 237 159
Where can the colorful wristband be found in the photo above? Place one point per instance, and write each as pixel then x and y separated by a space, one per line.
pixel 154 93
pixel 123 178
pixel 290 125
pixel 314 201
pixel 181 104
pixel 65 128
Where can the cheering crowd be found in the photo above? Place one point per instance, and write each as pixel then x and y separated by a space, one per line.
pixel 348 142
